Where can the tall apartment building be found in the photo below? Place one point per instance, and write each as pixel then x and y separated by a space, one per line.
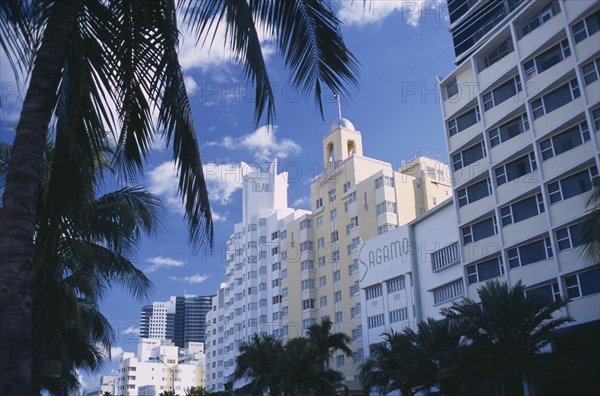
pixel 522 116
pixel 289 269
pixel 181 319
pixel 355 199
pixel 250 300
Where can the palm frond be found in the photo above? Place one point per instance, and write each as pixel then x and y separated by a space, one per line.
pixel 590 228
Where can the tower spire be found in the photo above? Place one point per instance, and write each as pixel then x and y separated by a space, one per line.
pixel 337 98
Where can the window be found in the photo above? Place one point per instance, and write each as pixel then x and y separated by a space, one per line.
pixel 262 222
pixel 515 169
pixel 346 187
pixel 373 292
pixel 320 242
pixel 591 71
pixel 322 281
pixel 334 236
pixel 474 192
pixel 262 270
pixel 468 156
pixel 354 289
pixel 319 203
pixel 332 214
pixel 529 253
pixel 352 268
pixel 522 210
pixel 336 276
pixel 396 284
pixel 571 186
pixel 382 229
pixel 306 265
pixel 583 283
pixel 463 121
pixel 352 197
pixel 448 292
pixel 306 245
pixel 331 195
pixel 323 301
pixel 497 53
pixel 353 222
pixel 355 311
pixel 282 234
pixel 319 221
pixel 547 292
pixel 379 182
pixel 306 323
pixel 252 290
pixel 321 262
pixel 357 333
pixel 509 130
pixel 284 273
pixel 451 89
pixel 262 254
pixel 308 284
pixel 274 251
pixel 565 141
pixel 502 93
pixel 543 16
pixel 252 227
pixel 547 59
pixel 252 275
pixel 339 360
pixel 277 299
pixel 555 99
pixel 389 181
pixel 386 206
pixel 335 256
pixel 276 266
pixel 252 259
pixel 570 236
pixel 274 235
pixel 262 286
pixel 445 256
pixel 485 270
pixel 305 224
pixel 398 315
pixel 596 117
pixel 337 296
pixel 586 27
pixel 375 321
pixel 309 303
pixel 480 230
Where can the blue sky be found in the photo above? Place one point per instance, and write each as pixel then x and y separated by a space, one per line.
pixel 401 45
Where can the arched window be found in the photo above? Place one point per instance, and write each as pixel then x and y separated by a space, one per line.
pixel 330 153
pixel 351 148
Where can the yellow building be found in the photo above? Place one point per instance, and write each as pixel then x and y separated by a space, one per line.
pixel 355 199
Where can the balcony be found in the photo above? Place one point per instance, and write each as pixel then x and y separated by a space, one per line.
pixel 585 309
pixel 555 166
pixel 463 137
pixel 569 209
pixel 574 9
pixel 540 82
pixel 560 116
pixel 490 75
pixel 531 42
pixel 588 47
pixel 502 151
pixel 465 81
pixel 517 232
pixel 534 273
pixel 481 248
pixel 469 172
pixel 592 93
pixel 470 212
pixel 495 114
pixel 508 191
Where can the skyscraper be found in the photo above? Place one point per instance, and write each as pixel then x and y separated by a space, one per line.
pixel 182 319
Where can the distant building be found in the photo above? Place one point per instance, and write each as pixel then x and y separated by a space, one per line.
pixel 160 366
pixel 182 319
pixel 107 383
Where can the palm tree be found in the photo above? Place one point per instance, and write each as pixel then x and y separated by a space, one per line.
pixel 82 249
pixel 260 362
pixel 590 249
pixel 101 52
pixel 410 361
pixel 503 337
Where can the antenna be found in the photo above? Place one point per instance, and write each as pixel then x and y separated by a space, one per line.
pixel 337 98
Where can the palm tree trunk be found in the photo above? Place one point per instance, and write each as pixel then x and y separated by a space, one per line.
pixel 19 202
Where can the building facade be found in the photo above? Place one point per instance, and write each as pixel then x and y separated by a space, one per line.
pixel 159 366
pixel 522 115
pixel 181 319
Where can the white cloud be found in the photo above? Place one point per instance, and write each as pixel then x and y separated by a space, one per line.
pixel 163 181
pixel 214 53
pixel 219 217
pixel 190 85
pixel 361 13
pixel 131 330
pixel 223 180
pixel 262 142
pixel 194 279
pixel 301 202
pixel 159 262
pixel 116 353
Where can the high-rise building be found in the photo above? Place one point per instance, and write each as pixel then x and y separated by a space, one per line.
pixel 249 300
pixel 287 270
pixel 522 115
pixel 182 319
